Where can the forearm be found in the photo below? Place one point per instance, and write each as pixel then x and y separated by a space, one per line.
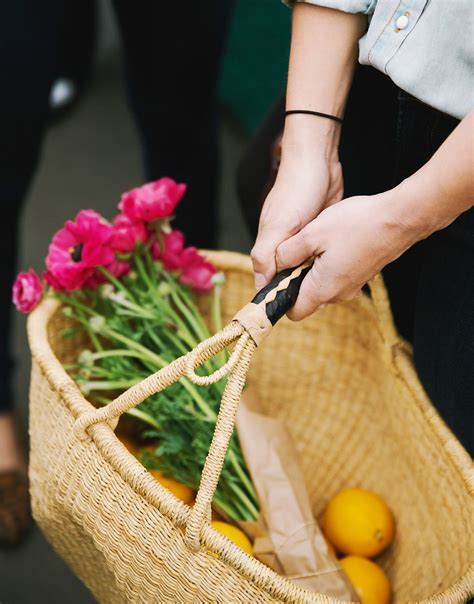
pixel 323 55
pixel 443 188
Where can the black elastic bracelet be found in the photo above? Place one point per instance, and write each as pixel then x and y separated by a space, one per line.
pixel 318 113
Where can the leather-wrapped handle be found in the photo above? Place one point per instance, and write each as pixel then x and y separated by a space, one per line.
pixel 272 301
pixel 278 305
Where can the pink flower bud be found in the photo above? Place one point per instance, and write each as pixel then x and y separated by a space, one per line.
pixel 152 201
pixel 27 291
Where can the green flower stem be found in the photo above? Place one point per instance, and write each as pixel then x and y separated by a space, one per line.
pixel 154 336
pixel 186 296
pixel 72 300
pixel 242 474
pixel 82 308
pixel 98 372
pixel 202 404
pixel 120 352
pixel 115 282
pixel 229 511
pixel 93 337
pixel 144 417
pixel 142 272
pixel 244 512
pixel 183 330
pixel 138 310
pixel 244 508
pixel 249 505
pixel 175 341
pixel 160 362
pixel 196 324
pixel 138 413
pixel 109 384
pixel 195 320
pixel 216 316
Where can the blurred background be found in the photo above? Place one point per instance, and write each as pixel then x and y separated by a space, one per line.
pixel 91 154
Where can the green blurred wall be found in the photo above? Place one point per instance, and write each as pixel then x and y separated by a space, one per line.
pixel 256 59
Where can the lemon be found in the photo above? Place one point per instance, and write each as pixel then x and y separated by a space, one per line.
pixel 234 534
pixel 368 579
pixel 179 490
pixel 358 522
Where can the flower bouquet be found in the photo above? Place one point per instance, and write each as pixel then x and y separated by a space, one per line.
pixel 131 286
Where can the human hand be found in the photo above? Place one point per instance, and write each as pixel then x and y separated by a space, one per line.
pixel 351 242
pixel 309 179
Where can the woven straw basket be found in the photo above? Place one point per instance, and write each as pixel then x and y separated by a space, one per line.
pixel 344 384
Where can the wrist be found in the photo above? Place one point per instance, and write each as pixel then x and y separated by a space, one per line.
pixel 308 136
pixel 417 206
pixel 407 214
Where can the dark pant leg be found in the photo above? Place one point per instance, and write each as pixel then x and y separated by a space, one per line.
pixel 28 42
pixel 444 310
pixel 444 325
pixel 173 51
pixel 431 286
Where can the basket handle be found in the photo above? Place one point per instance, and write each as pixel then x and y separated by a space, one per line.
pixel 257 318
pixel 247 329
pixel 276 298
pixel 383 311
pixel 165 377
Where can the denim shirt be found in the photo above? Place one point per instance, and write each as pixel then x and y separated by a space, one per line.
pixel 425 46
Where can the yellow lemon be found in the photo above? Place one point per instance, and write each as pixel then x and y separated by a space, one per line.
pixel 358 522
pixel 368 579
pixel 234 534
pixel 181 491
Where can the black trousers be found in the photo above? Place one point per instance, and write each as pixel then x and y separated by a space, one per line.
pixel 172 55
pixel 388 135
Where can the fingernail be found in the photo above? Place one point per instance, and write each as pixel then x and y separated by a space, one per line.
pixel 321 306
pixel 260 280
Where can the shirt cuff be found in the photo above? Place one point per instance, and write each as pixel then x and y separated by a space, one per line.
pixel 366 7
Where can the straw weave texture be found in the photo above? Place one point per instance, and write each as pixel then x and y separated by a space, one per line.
pixel 344 384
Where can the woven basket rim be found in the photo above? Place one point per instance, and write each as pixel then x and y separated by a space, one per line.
pixel 175 510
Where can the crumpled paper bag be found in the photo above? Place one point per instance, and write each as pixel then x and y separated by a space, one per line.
pixel 286 537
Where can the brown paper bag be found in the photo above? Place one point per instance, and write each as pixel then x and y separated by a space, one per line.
pixel 286 537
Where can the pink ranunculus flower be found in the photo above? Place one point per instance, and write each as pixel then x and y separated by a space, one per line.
pixel 52 281
pixel 118 268
pixel 78 248
pixel 127 234
pixel 170 249
pixel 27 291
pixel 153 200
pixel 197 271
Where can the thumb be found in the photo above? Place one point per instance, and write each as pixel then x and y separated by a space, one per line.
pixel 270 235
pixel 299 247
pixel 313 293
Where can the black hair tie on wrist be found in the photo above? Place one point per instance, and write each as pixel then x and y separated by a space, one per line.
pixel 318 113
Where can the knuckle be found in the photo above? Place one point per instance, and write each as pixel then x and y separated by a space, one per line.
pixel 256 254
pixel 307 238
pixel 294 316
pixel 281 255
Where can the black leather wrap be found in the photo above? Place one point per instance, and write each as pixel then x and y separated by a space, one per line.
pixel 285 298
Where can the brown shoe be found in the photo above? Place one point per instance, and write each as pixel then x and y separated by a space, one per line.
pixel 15 512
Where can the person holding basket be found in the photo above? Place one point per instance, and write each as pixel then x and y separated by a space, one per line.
pixel 380 176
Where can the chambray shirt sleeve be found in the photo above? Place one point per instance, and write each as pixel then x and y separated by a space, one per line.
pixel 366 7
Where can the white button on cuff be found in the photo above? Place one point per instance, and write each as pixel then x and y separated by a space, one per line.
pixel 401 22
